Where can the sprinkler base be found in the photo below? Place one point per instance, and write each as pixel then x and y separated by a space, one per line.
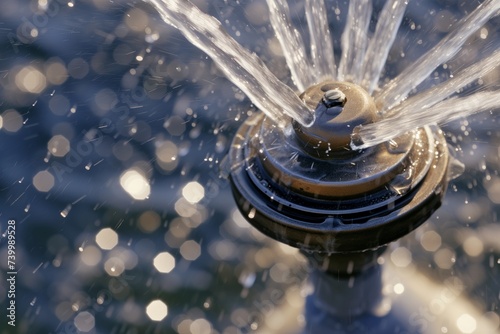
pixel 342 204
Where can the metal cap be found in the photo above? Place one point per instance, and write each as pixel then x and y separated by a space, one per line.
pixel 338 107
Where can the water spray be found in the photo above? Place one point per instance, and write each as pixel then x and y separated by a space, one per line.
pixel 306 187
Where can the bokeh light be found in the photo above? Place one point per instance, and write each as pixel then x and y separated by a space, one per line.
pixel 107 238
pixel 84 321
pixel 190 250
pixel 157 310
pixel 11 120
pixel 200 326
pixel 167 155
pixel 58 146
pixel 114 266
pixel 164 262
pixel 59 105
pixel 401 257
pixel 136 19
pixel 431 241
pixel 91 255
pixel 473 246
pixel 56 71
pixel 104 101
pixel 43 181
pixel 399 288
pixel 78 68
pixel 175 125
pixel 135 184
pixel 31 80
pixel 493 188
pixel 193 192
pixel 149 221
pixel 466 323
pixel 445 258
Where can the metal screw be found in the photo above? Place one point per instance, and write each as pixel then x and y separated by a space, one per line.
pixel 334 97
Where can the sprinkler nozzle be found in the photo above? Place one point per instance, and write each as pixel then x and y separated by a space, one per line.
pixel 338 107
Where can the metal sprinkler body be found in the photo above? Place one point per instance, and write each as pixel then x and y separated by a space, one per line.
pixel 306 187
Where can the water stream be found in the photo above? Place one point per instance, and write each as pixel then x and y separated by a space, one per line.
pixel 432 105
pixel 354 40
pixel 292 44
pixel 362 61
pixel 321 42
pixel 243 68
pixel 377 51
pixel 399 88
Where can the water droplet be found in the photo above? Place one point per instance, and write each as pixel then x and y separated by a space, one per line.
pixel 64 213
pixel 402 182
pixel 251 214
pixel 100 299
pixel 455 168
pixel 208 303
pixel 47 157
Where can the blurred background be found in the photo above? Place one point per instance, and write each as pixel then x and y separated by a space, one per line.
pixel 113 136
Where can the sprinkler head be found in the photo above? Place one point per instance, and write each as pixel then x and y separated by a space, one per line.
pixel 307 188
pixel 338 107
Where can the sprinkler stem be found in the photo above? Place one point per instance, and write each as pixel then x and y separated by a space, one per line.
pixel 345 284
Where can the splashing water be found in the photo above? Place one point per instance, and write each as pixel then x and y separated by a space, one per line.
pixel 443 112
pixel 397 90
pixel 362 62
pixel 305 71
pixel 400 117
pixel 430 106
pixel 243 68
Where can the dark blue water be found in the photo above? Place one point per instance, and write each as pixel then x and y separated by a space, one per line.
pixel 107 87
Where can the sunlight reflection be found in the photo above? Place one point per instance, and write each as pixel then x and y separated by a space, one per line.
pixel 193 192
pixel 30 80
pixel 157 310
pixel 164 262
pixel 106 238
pixel 135 184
